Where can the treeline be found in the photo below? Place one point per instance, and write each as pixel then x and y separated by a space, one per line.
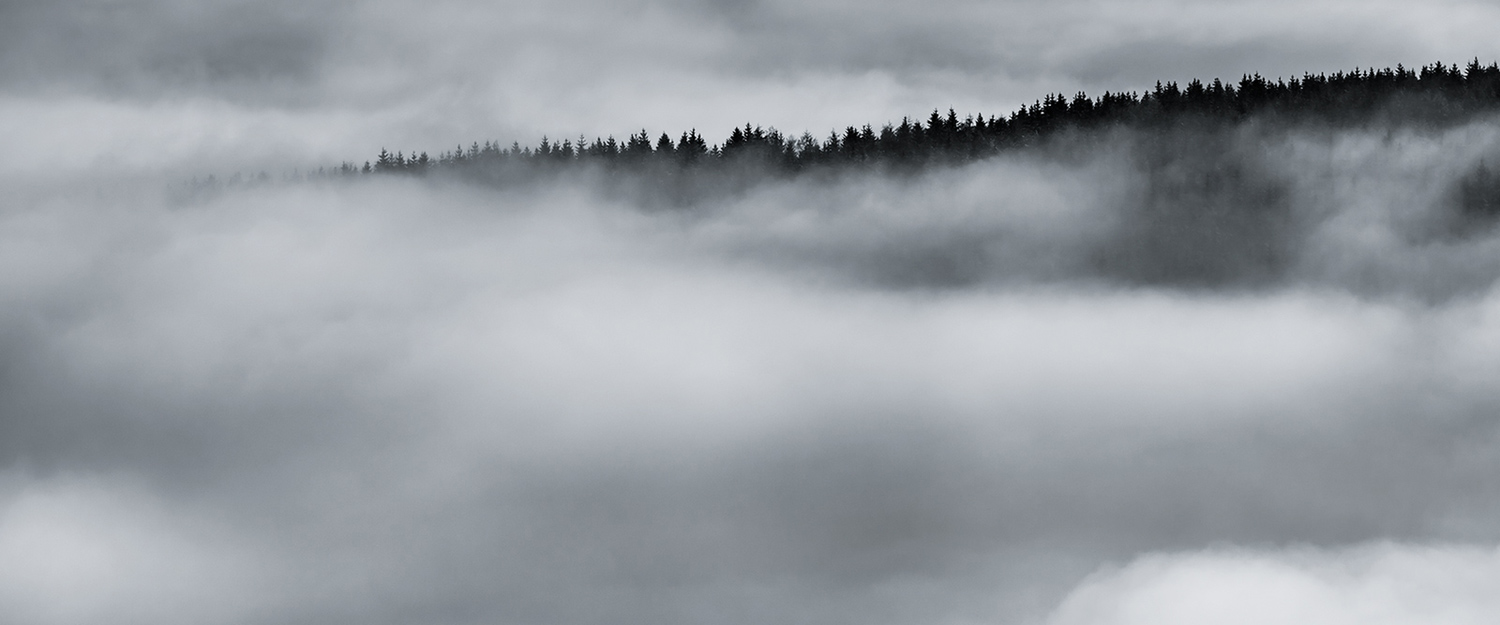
pixel 1434 93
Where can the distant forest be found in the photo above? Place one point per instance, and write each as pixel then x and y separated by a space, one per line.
pixel 1203 206
pixel 1435 94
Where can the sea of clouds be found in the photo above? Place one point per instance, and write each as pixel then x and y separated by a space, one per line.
pixel 1040 388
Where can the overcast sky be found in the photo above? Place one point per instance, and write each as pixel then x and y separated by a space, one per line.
pixel 861 400
pixel 337 79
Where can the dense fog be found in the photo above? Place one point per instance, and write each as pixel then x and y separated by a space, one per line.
pixel 1238 375
pixel 948 396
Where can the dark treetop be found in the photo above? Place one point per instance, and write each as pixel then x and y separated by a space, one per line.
pixel 1435 94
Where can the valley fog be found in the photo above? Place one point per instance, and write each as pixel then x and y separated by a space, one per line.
pixel 1004 392
pixel 1227 366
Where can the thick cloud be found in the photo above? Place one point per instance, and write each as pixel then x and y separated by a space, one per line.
pixel 1067 385
pixel 401 400
pixel 1377 584
pixel 238 50
pixel 315 82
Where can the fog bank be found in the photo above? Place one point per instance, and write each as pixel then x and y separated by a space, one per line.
pixel 1129 377
pixel 859 399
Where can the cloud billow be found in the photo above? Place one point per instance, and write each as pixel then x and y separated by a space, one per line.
pixel 1076 383
pixel 404 399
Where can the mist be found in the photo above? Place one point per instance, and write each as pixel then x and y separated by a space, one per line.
pixel 1172 375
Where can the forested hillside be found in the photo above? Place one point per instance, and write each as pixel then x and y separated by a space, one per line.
pixel 1435 94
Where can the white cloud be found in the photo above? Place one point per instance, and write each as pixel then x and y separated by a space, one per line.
pixel 82 550
pixel 1384 584
pixel 868 398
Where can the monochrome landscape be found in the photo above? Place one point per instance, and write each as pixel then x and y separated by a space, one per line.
pixel 744 312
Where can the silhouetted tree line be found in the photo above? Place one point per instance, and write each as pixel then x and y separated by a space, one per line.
pixel 1437 92
pixel 1199 209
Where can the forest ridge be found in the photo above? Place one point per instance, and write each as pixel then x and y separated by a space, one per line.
pixel 1435 92
pixel 1198 213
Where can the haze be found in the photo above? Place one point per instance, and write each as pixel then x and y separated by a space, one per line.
pixel 987 393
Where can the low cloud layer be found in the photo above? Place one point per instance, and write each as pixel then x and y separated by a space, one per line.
pixel 1384 583
pixel 327 80
pixel 1118 379
pixel 847 400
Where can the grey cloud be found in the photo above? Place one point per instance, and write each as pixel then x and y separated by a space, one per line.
pixel 428 401
pixel 240 50
pixel 953 395
pixel 340 79
pixel 1262 206
pixel 478 68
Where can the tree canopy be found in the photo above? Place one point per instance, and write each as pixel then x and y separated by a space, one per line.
pixel 1433 94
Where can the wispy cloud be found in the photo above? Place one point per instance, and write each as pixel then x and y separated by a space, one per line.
pixel 1041 387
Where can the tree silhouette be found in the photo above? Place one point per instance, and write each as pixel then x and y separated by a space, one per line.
pixel 1433 94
